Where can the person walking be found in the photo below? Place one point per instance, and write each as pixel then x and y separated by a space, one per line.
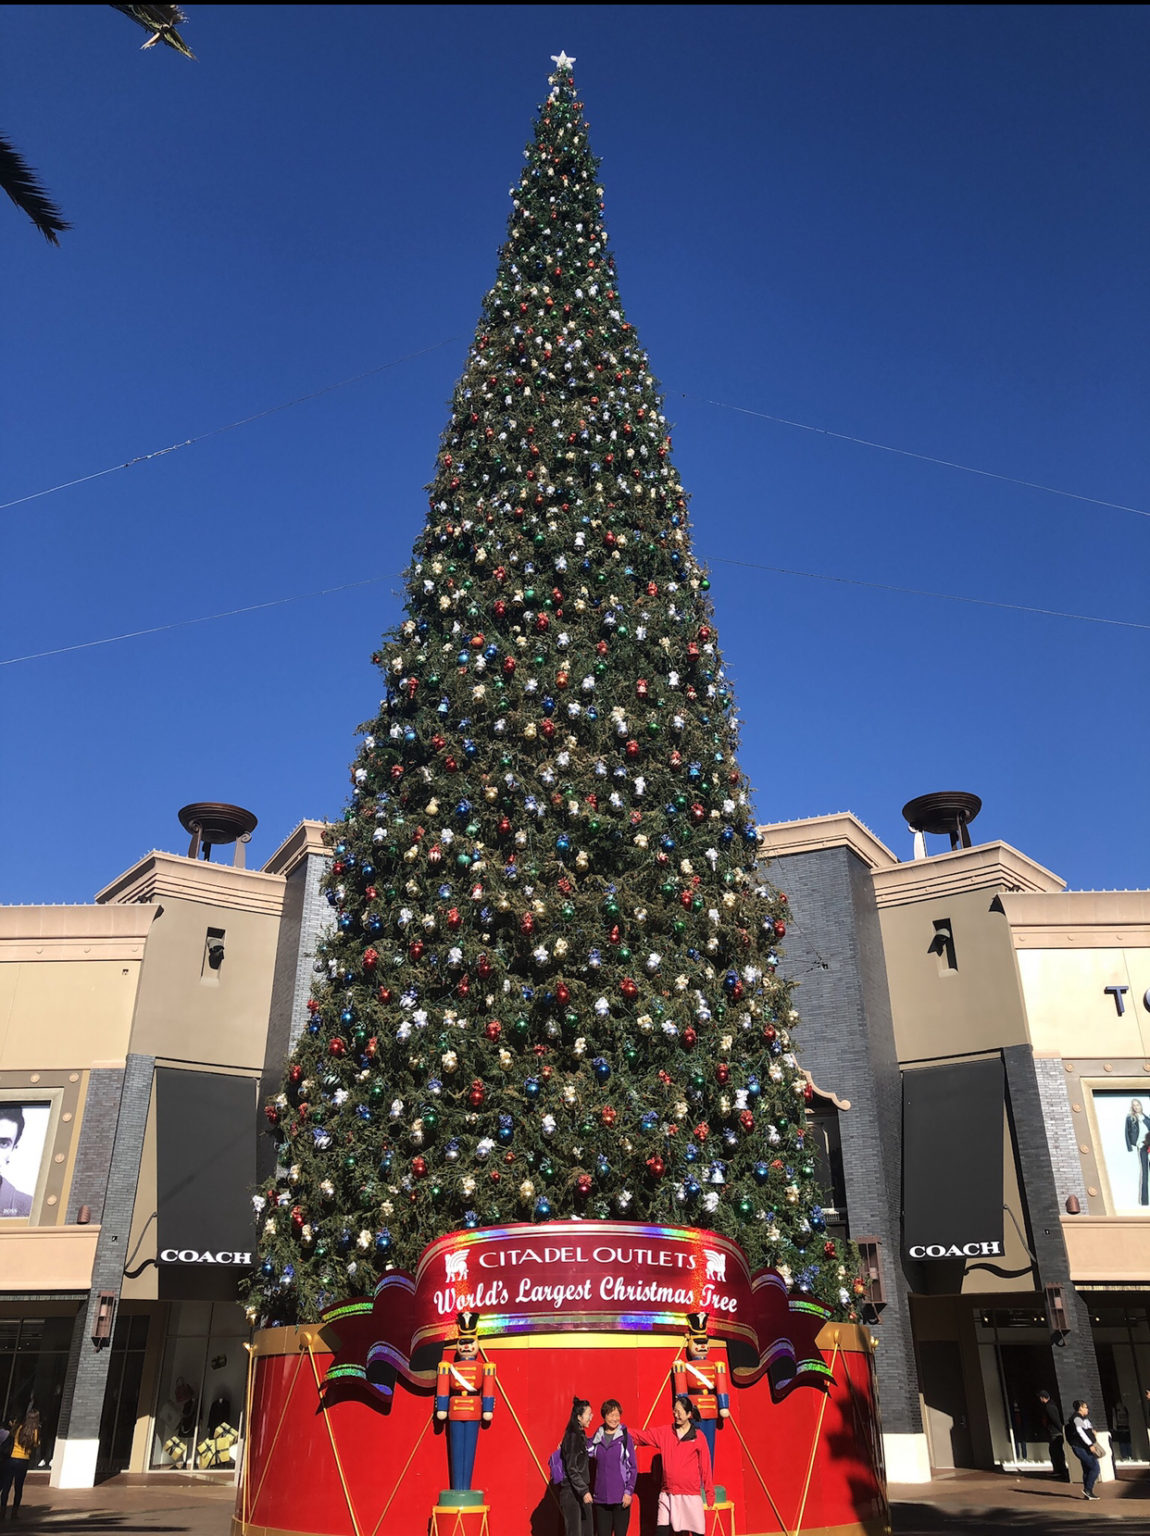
pixel 613 1472
pixel 575 1489
pixel 1080 1434
pixel 686 1471
pixel 1052 1428
pixel 25 1452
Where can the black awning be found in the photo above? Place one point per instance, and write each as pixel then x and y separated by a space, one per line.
pixel 205 1167
pixel 952 1119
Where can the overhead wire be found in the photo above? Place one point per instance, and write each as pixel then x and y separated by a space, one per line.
pixel 854 581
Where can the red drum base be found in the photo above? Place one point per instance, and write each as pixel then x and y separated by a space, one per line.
pixel 328 1463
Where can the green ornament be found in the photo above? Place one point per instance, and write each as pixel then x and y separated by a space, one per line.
pixel 630 1054
pixel 521 1029
pixel 547 1171
pixel 349 1162
pixel 705 584
pixel 624 954
pixel 745 1208
pixel 567 911
pixel 678 927
pixel 430 1118
pixel 653 728
pixel 571 1020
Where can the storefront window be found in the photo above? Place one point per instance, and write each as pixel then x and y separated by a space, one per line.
pixel 1122 1343
pixel 33 1359
pixel 200 1405
pixel 1014 1354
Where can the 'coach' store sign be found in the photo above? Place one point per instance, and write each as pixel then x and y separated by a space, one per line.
pixel 952 1134
pixel 205 1167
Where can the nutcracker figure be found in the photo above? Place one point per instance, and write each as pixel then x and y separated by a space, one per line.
pixel 704 1381
pixel 464 1395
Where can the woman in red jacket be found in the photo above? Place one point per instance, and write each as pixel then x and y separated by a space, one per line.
pixel 686 1471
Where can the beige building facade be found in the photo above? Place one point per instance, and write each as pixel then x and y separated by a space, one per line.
pixel 988 961
pixel 136 1035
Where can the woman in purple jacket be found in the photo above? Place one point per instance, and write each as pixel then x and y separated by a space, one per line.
pixel 612 1454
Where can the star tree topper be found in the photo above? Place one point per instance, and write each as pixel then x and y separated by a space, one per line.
pixel 561 60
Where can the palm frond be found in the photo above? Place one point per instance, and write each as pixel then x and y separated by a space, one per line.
pixel 22 185
pixel 161 21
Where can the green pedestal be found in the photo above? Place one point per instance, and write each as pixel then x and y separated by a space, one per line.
pixel 460 1498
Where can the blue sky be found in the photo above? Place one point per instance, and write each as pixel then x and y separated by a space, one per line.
pixel 923 226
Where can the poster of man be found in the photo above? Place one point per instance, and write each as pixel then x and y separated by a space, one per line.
pixel 1124 1137
pixel 23 1132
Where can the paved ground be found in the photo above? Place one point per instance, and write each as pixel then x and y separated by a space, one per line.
pixel 963 1504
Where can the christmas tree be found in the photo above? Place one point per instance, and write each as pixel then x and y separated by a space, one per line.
pixel 551 986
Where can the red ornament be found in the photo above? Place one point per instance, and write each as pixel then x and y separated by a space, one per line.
pixel 483 967
pixel 508 665
pixel 464 987
pixel 547 729
pixel 615 936
pixel 495 1175
pixel 272 1114
pixel 628 988
pixel 698 813
pixel 504 827
pixel 690 1037
pixel 435 854
pixel 371 1047
pixel 416 950
pixel 664 1078
pixel 562 994
pixel 370 959
pixel 527 923
pixel 632 749
pixel 562 679
pixel 723 1072
pixel 641 688
pixel 493 1029
pixel 419 1167
pixel 780 928
pixel 297 1217
pixel 450 764
pixel 476 1093
pixel 336 1046
pixel 583 1185
pixel 608 1115
pixel 438 742
pixel 453 917
pixel 829 1249
pixel 477 642
pixel 500 607
pixel 769 1032
pixel 384 994
pixel 702 1130
pixel 295 1074
pixel 656 1167
pixel 312 1005
pixel 808 1091
pixel 746 1120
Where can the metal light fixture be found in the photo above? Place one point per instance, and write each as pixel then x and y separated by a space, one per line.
pixel 105 1319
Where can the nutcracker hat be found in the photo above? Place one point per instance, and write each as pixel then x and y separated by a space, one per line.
pixel 697 1327
pixel 467 1324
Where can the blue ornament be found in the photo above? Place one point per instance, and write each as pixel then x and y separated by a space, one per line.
pixel 594 959
pixel 471 1218
pixel 384 1161
pixel 506 1132
pixel 650 1120
pixel 374 923
pixel 818 1219
pixel 532 1088
pixel 542 1208
pixel 347 1016
pixel 762 1173
pixel 268 1268
pixel 443 707
pixel 602 1069
pixel 288 1274
pixel 691 1152
pixel 602 1166
pixel 343 1241
pixel 667 843
pixel 692 1189
pixel 343 922
pixel 563 842
pixel 382 1241
pixel 491 651
pixel 340 850
pixel 313 1026
pixel 469 747
pixel 592 713
pixel 463 808
pixel 694 772
pixel 362 1112
pixel 754 1087
pixel 730 981
pixel 368 873
pixel 528 994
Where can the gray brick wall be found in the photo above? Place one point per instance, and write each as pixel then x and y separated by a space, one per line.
pixel 1061 1136
pixel 846 1041
pixel 1075 1363
pixel 97 1138
pixel 87 1371
pixel 305 913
